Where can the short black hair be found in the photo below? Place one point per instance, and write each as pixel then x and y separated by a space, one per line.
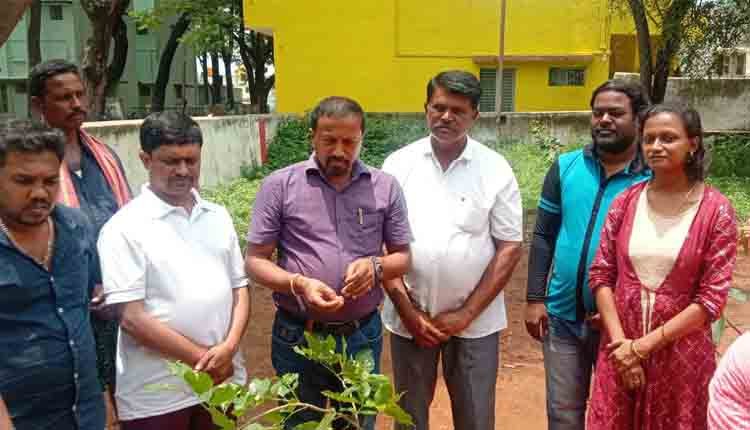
pixel 337 107
pixel 696 167
pixel 169 128
pixel 43 71
pixel 458 82
pixel 638 96
pixel 31 137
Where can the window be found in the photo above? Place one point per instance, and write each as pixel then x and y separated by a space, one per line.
pixel 740 64
pixel 4 101
pixel 566 77
pixel 56 12
pixel 144 90
pixel 725 66
pixel 178 92
pixel 488 82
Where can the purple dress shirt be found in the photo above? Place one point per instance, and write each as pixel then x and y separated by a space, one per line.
pixel 319 230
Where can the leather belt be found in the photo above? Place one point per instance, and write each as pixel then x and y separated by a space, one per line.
pixel 336 328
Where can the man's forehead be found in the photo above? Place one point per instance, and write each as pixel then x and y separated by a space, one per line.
pixel 27 162
pixel 63 80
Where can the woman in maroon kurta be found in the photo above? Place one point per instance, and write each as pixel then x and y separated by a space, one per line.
pixel 656 356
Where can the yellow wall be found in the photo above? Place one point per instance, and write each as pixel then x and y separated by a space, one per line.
pixel 382 52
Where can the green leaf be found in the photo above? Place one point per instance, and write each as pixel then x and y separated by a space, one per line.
pixel 223 395
pixel 199 382
pixel 339 397
pixel 394 411
pixel 739 295
pixel 366 359
pixel 221 420
pixel 310 425
pixel 383 394
pixel 327 421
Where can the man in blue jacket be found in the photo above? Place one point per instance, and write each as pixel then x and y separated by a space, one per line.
pixel 577 192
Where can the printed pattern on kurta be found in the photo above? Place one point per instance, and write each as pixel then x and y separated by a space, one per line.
pixel 675 396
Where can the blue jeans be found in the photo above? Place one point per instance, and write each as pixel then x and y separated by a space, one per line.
pixel 569 356
pixel 314 378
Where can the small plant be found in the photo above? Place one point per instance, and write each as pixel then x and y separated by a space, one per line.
pixel 362 393
pixel 548 143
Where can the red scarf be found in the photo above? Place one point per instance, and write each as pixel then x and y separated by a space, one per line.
pixel 110 167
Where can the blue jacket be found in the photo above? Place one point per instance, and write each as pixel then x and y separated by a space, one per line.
pixel 575 199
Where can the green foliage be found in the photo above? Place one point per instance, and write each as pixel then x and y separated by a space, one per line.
pixel 212 21
pixel 362 392
pixel 730 156
pixel 238 197
pixel 546 142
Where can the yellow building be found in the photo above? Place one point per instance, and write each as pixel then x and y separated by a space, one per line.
pixel 382 52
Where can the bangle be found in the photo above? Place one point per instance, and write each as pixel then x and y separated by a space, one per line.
pixel 300 302
pixel 291 283
pixel 634 350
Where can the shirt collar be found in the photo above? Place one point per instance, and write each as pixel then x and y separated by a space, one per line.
pixel 358 169
pixel 160 208
pixel 636 166
pixel 467 154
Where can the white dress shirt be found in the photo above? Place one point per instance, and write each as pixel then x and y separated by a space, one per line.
pixel 184 267
pixel 454 215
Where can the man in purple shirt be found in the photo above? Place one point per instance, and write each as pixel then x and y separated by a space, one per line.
pixel 329 218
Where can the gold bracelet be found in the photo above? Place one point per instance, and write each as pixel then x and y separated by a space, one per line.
pixel 635 351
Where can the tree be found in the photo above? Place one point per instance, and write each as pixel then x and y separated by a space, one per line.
pixel 692 28
pixel 13 10
pixel 218 26
pixel 33 34
pixel 106 24
pixel 165 62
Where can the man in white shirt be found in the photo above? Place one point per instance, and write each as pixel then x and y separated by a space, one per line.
pixel 465 212
pixel 171 262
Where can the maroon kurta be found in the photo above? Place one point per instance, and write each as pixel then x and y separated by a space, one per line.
pixel 675 396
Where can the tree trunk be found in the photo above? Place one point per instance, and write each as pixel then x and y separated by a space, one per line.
pixel 13 11
pixel 206 89
pixel 33 34
pixel 216 82
pixel 104 16
pixel 119 56
pixel 638 11
pixel 165 62
pixel 672 32
pixel 227 57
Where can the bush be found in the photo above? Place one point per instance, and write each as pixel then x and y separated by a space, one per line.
pixel 730 156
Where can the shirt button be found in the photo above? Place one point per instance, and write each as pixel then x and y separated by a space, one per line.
pixel 74 408
pixel 72 343
pixel 60 310
pixel 75 376
pixel 52 279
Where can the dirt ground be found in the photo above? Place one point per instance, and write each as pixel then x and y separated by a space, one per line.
pixel 520 382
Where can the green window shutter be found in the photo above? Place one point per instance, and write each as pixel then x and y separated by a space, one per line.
pixel 487 80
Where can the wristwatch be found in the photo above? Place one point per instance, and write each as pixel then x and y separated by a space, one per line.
pixel 377 270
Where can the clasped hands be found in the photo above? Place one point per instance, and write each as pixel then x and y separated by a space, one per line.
pixel 627 363
pixel 217 362
pixel 321 298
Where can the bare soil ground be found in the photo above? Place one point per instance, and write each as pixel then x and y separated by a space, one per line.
pixel 520 382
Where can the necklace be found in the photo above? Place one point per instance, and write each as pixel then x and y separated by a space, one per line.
pixel 44 262
pixel 685 199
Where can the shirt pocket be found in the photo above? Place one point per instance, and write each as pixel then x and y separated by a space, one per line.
pixel 365 233
pixel 470 215
pixel 20 295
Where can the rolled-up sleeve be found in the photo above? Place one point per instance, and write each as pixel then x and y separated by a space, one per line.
pixel 718 263
pixel 123 265
pixel 265 224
